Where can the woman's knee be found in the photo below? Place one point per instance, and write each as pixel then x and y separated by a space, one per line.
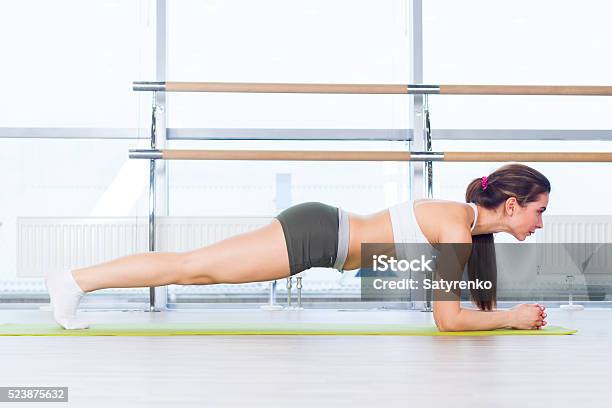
pixel 193 269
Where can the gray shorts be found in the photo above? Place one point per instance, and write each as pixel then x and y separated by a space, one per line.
pixel 316 234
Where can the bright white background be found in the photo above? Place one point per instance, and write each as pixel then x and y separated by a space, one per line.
pixel 544 42
pixel 68 63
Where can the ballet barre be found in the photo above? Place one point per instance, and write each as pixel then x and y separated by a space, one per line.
pixel 326 155
pixel 246 87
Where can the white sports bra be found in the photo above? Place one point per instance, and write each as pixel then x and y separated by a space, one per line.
pixel 405 226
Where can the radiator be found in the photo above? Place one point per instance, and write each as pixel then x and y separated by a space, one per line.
pixel 579 242
pixel 50 244
pixel 576 228
pixel 569 245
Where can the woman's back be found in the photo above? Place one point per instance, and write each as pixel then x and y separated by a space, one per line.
pixel 407 222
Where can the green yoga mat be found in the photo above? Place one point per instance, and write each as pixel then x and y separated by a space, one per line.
pixel 302 329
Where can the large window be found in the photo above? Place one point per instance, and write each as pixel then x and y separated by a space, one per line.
pixel 69 63
pixel 544 42
pixel 64 178
pixel 69 67
pixel 304 41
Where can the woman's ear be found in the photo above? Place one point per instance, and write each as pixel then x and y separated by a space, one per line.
pixel 510 205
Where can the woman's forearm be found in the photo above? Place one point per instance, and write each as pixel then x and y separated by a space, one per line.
pixel 470 319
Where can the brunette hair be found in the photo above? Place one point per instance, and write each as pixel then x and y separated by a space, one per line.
pixel 511 180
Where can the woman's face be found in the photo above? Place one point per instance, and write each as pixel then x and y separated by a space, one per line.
pixel 523 221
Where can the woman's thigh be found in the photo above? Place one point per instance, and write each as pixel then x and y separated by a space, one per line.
pixel 254 256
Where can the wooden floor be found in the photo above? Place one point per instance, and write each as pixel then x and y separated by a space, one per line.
pixel 314 371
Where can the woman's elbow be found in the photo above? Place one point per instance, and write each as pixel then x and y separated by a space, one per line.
pixel 444 328
pixel 446 325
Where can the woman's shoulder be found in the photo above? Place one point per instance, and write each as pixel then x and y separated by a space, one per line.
pixel 444 217
pixel 447 206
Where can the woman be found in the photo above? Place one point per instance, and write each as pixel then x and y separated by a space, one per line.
pixel 511 199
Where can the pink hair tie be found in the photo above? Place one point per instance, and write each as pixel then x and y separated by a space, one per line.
pixel 484 182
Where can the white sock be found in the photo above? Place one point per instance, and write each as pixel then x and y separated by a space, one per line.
pixel 65 296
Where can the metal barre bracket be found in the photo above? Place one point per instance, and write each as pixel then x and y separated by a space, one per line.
pixel 150 154
pixel 426 156
pixel 148 86
pixel 423 89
